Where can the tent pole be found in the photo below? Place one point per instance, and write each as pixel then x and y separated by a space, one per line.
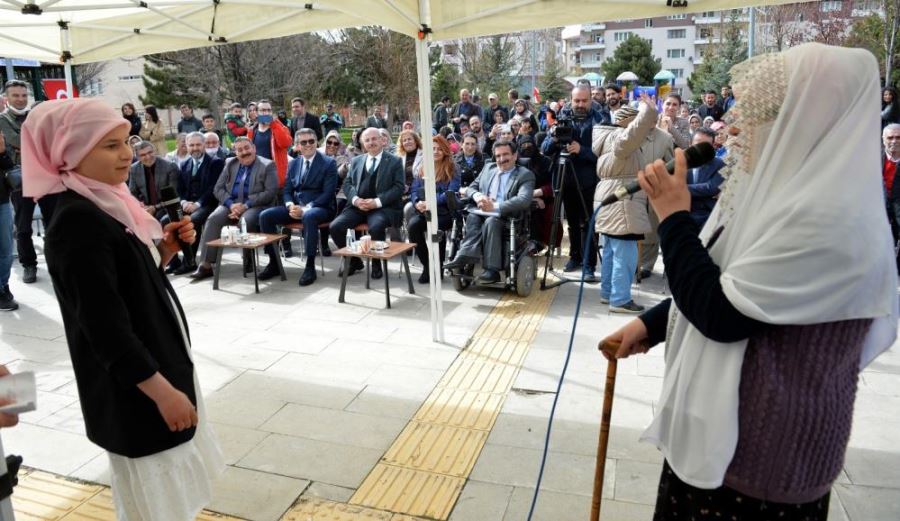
pixel 434 257
pixel 67 56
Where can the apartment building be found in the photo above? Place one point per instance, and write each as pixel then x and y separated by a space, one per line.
pixel 681 40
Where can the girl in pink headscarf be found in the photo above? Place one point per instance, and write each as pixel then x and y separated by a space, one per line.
pixel 125 328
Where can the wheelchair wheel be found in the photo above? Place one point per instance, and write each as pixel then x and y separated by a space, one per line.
pixel 463 279
pixel 525 275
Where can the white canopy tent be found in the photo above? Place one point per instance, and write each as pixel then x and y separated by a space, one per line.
pixel 82 31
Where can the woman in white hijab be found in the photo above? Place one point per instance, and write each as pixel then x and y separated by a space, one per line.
pixel 773 317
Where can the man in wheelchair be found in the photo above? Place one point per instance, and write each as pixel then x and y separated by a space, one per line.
pixel 502 191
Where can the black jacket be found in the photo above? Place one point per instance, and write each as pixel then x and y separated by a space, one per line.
pixel 209 172
pixel 120 325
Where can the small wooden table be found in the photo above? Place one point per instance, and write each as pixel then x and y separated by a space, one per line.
pixel 268 238
pixel 396 249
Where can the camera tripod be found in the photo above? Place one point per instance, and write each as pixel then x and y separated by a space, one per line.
pixel 563 167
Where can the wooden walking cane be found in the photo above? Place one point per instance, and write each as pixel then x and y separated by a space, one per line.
pixel 609 389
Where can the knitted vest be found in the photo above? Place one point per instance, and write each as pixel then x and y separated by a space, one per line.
pixel 798 385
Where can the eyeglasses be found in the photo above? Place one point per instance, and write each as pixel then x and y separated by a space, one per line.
pixel 304 142
pixel 332 143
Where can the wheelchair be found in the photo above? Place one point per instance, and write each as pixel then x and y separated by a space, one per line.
pixel 520 263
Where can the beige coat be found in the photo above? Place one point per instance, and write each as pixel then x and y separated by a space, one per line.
pixel 156 134
pixel 618 151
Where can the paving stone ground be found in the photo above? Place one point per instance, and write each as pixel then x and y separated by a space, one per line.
pixel 306 395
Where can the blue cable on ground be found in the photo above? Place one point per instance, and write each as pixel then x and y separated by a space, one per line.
pixel 562 376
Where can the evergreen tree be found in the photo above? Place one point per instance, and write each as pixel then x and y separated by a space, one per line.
pixel 553 85
pixel 169 85
pixel 715 71
pixel 636 55
pixel 491 64
pixel 444 77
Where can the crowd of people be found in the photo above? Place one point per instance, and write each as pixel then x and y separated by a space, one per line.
pixel 767 319
pixel 268 168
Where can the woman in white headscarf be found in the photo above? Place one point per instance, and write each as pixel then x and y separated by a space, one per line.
pixel 772 319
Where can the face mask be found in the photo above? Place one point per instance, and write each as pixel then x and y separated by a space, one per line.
pixel 265 119
pixel 212 151
pixel 17 112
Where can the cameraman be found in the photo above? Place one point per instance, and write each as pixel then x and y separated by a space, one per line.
pixel 577 198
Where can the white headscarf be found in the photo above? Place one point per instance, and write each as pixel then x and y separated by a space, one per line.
pixel 805 238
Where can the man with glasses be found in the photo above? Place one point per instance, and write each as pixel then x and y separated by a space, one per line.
pixel 309 191
pixel 271 138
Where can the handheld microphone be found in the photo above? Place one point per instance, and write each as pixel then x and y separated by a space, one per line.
pixel 172 205
pixel 696 155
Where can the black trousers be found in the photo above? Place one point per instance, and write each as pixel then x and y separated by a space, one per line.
pixel 24 207
pixel 351 217
pixel 576 203
pixel 678 501
pixel 418 231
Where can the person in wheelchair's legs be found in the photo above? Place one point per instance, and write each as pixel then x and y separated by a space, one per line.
pixel 502 190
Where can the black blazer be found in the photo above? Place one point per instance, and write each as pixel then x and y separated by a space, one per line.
pixel 209 171
pixel 389 186
pixel 120 325
pixel 318 188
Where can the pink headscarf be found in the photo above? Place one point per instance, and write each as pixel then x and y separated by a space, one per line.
pixel 56 137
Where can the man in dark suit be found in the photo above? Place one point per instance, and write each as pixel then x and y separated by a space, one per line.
pixel 196 182
pixel 300 118
pixel 309 191
pixel 377 120
pixel 502 190
pixel 374 188
pixel 247 186
pixel 147 177
pixel 703 182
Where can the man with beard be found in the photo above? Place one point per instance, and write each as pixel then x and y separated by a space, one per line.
pixel 196 182
pixel 11 126
pixel 301 118
pixel 710 109
pixel 503 190
pixel 578 190
pixel 475 127
pixel 613 103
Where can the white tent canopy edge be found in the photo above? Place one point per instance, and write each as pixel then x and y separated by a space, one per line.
pixel 83 31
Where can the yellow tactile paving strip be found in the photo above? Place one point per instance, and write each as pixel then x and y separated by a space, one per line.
pixel 423 472
pixel 41 496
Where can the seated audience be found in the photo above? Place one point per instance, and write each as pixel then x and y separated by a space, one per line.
pixel 503 190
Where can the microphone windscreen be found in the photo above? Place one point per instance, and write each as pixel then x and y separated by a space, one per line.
pixel 168 193
pixel 699 154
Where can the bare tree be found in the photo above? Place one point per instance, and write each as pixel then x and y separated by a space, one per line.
pixel 86 74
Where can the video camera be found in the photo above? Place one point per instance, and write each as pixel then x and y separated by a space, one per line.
pixel 564 130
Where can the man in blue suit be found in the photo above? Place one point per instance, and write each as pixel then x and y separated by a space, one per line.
pixel 196 182
pixel 309 189
pixel 703 182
